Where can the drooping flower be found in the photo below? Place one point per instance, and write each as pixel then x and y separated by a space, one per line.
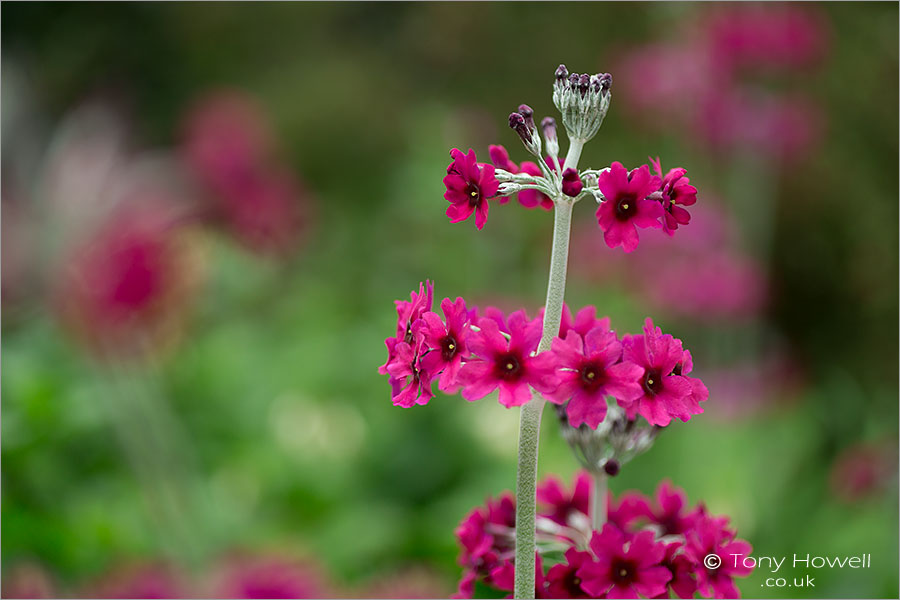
pixel 676 191
pixel 699 392
pixel 664 393
pixel 559 505
pixel 469 186
pixel 507 364
pixel 407 314
pixel 410 380
pixel 446 342
pixel 589 371
pixel 682 568
pixel 624 567
pixel 626 206
pixel 711 535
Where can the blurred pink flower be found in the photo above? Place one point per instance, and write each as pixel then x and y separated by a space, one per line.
pixel 229 148
pixel 28 580
pixel 409 582
pixel 139 580
pixel 126 289
pixel 703 80
pixel 863 470
pixel 267 576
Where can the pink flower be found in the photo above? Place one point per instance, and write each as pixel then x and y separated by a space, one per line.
pixel 584 321
pixel 571 183
pixel 508 365
pixel 446 342
pixel 591 370
pixel 533 198
pixel 503 577
pixel 268 576
pixel 469 185
pixel 559 505
pixel 624 567
pixel 407 314
pixel 665 395
pixel 711 536
pixel 527 198
pixel 699 392
pixel 630 508
pixel 410 381
pixel 676 192
pixel 563 580
pixel 669 511
pixel 626 206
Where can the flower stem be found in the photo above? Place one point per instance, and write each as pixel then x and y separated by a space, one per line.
pixel 599 508
pixel 530 417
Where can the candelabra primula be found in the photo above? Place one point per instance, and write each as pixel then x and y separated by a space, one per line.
pixel 613 394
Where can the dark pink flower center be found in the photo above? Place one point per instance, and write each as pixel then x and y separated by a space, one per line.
pixel 449 347
pixel 508 367
pixel 473 193
pixel 572 584
pixel 652 382
pixel 626 206
pixel 592 376
pixel 623 572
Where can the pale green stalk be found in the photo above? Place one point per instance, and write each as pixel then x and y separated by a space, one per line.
pixel 530 417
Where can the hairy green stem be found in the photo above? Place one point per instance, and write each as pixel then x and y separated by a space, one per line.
pixel 599 508
pixel 530 417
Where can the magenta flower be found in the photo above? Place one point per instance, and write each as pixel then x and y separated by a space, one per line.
pixel 410 382
pixel 670 511
pixel 711 535
pixel 446 342
pixel 563 580
pixel 571 183
pixel 408 313
pixel 559 505
pixel 469 185
pixel 630 508
pixel 591 370
pixel 624 568
pixel 699 392
pixel 677 191
pixel 584 321
pixel 533 198
pixel 503 577
pixel 626 206
pixel 508 364
pixel 665 395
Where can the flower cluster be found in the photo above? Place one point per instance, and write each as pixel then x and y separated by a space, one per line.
pixel 647 374
pixel 650 547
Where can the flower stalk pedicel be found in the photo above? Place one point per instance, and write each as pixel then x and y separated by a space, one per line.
pixel 612 394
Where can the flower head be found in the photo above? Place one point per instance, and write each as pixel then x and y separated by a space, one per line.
pixel 507 364
pixel 469 185
pixel 626 206
pixel 407 314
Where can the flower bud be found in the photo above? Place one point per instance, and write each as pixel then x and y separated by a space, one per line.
pixel 583 101
pixel 571 183
pixel 523 124
pixel 611 467
pixel 548 125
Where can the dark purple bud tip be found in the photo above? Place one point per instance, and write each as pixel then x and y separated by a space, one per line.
pixel 573 80
pixel 516 120
pixel 561 73
pixel 605 81
pixel 584 83
pixel 525 110
pixel 611 467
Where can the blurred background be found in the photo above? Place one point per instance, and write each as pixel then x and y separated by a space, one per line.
pixel 209 209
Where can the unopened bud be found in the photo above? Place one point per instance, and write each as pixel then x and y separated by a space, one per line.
pixel 548 126
pixel 611 467
pixel 561 73
pixel 523 124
